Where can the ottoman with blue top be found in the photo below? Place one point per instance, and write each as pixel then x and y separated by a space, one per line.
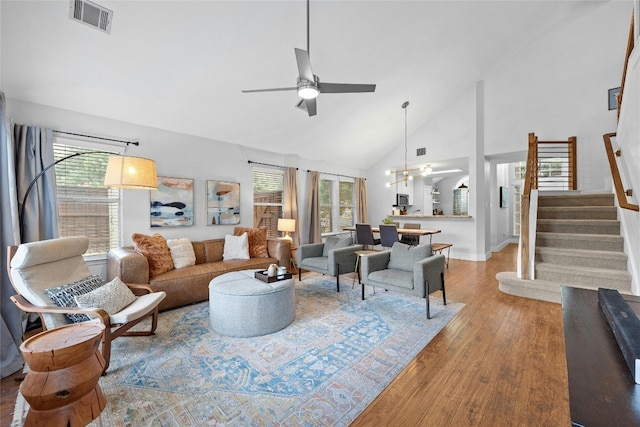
pixel 242 306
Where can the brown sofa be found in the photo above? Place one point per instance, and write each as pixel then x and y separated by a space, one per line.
pixel 189 285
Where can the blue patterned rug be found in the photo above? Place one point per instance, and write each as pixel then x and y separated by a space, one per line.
pixel 322 370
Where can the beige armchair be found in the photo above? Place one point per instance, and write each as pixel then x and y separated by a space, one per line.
pixel 408 269
pixel 37 266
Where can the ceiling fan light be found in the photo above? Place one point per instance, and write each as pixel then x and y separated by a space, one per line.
pixel 307 90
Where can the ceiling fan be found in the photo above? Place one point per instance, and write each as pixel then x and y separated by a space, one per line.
pixel 309 85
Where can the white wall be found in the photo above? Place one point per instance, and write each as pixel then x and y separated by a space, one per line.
pixel 177 155
pixel 557 87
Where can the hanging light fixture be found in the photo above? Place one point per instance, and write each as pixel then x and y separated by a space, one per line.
pixel 407 172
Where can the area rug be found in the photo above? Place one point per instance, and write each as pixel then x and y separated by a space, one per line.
pixel 322 370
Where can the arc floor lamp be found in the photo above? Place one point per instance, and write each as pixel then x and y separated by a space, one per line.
pixel 122 172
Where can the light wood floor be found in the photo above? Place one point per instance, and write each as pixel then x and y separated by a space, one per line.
pixel 499 362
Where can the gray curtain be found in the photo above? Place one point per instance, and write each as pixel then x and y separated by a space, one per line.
pixel 361 201
pixel 26 151
pixel 291 201
pixel 33 153
pixel 10 322
pixel 313 207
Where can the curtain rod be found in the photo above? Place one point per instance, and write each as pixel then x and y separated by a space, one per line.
pixel 267 164
pixel 98 137
pixel 336 174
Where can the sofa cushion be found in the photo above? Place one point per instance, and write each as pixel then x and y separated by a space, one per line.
pixel 64 295
pixel 112 297
pixel 235 247
pixel 155 249
pixel 257 238
pixel 335 242
pixel 403 257
pixel 182 252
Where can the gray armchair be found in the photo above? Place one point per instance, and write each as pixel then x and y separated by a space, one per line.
pixel 412 270
pixel 334 257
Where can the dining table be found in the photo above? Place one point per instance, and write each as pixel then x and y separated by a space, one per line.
pixel 404 231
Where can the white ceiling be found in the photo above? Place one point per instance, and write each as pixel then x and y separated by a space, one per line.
pixel 180 65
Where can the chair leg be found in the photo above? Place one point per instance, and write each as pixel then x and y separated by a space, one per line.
pixel 363 291
pixel 338 277
pixel 428 311
pixel 444 295
pixel 106 350
pixel 299 274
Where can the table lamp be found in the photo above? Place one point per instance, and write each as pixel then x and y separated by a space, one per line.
pixel 286 225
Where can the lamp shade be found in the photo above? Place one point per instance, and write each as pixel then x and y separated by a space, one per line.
pixel 287 225
pixel 131 172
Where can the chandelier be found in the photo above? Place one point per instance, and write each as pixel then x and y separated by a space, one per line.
pixel 407 173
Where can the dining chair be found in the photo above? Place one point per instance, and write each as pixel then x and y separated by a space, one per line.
pixel 388 235
pixel 364 236
pixel 411 240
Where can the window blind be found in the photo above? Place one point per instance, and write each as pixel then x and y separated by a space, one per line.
pixel 86 207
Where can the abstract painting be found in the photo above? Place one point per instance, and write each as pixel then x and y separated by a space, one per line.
pixel 172 202
pixel 223 202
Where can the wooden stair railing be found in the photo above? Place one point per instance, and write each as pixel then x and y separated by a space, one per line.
pixel 630 44
pixel 621 193
pixel 536 155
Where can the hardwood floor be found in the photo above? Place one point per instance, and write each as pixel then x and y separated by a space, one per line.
pixel 499 362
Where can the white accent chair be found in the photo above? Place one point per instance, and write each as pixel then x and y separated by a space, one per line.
pixel 37 266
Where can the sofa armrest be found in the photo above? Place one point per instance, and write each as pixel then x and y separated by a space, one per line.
pixel 127 264
pixel 280 249
pixel 429 270
pixel 375 262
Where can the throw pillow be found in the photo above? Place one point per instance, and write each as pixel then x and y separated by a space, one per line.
pixel 64 295
pixel 112 297
pixel 257 238
pixel 155 249
pixel 235 247
pixel 335 242
pixel 404 256
pixel 182 252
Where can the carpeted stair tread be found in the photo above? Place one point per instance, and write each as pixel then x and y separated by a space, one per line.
pixel 582 257
pixel 578 212
pixel 584 276
pixel 545 290
pixel 579 226
pixel 603 242
pixel 576 200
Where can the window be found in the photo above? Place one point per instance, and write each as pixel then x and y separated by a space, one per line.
pixel 268 198
pixel 517 196
pixel 86 207
pixel 337 203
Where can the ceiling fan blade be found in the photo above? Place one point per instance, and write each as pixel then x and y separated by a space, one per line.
pixel 270 90
pixel 345 87
pixel 311 106
pixel 308 105
pixel 304 65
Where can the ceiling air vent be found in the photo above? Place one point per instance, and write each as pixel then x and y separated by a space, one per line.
pixel 421 151
pixel 91 14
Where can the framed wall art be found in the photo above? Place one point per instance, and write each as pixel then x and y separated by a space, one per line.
pixel 172 203
pixel 504 197
pixel 613 98
pixel 223 202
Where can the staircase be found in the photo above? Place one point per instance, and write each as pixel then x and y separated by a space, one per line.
pixel 578 244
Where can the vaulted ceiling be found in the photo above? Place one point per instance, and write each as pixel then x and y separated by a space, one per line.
pixel 181 65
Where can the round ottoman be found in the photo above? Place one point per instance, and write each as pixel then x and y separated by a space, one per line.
pixel 242 306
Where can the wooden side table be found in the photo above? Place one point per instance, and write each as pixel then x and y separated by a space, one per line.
pixel 65 365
